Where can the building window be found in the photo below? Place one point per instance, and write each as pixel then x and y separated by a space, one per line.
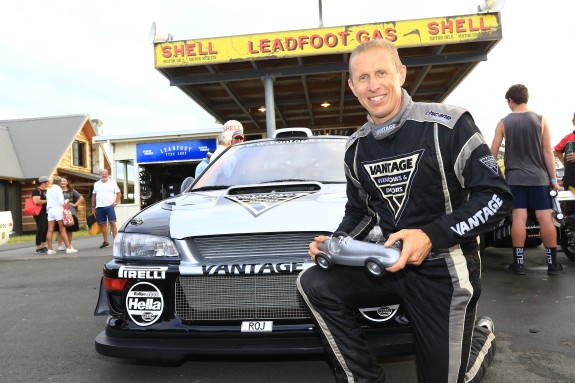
pixel 79 154
pixel 125 179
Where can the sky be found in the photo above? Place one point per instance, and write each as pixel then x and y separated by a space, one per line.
pixel 85 57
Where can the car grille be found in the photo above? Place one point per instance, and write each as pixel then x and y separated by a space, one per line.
pixel 239 297
pixel 275 245
pixel 270 296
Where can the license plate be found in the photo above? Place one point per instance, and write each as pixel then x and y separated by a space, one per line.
pixel 257 326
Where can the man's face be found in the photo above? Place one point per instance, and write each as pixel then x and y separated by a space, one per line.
pixel 104 176
pixel 376 83
pixel 237 138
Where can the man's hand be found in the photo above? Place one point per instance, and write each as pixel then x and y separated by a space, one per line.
pixel 416 246
pixel 314 246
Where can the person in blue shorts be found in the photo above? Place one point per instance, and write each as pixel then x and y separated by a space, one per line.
pixel 105 198
pixel 530 173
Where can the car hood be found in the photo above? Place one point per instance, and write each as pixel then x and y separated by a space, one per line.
pixel 265 209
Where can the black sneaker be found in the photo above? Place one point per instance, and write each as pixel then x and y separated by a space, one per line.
pixel 104 244
pixel 555 270
pixel 41 251
pixel 514 268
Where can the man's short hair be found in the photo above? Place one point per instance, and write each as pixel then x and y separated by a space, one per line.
pixel 224 138
pixel 376 43
pixel 518 93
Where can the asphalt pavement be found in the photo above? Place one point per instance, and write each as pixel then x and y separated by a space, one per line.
pixel 533 313
pixel 89 245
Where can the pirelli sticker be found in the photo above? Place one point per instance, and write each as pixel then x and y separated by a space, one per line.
pixel 393 178
pixel 139 272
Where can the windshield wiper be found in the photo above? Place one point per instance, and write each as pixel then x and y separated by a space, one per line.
pixel 289 180
pixel 214 187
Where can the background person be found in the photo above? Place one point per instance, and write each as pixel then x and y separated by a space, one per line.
pixel 39 198
pixel 74 199
pixel 423 173
pixel 202 165
pixel 237 137
pixel 225 138
pixel 565 151
pixel 232 126
pixel 224 142
pixel 54 205
pixel 105 197
pixel 530 173
pixel 56 180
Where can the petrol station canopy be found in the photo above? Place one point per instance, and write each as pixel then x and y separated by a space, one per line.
pixel 297 71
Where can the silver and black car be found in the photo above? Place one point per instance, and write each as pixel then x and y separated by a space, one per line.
pixel 212 270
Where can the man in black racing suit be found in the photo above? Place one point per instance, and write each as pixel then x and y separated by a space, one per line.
pixel 424 174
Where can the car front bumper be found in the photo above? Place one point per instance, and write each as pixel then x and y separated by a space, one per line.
pixel 176 347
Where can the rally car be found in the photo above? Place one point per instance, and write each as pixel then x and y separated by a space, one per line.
pixel 212 271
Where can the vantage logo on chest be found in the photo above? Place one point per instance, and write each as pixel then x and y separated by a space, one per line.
pixel 393 178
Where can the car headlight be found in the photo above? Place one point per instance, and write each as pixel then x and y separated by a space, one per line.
pixel 144 246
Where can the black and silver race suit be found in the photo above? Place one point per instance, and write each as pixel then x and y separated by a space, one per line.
pixel 427 168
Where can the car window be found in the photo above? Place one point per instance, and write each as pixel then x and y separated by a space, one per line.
pixel 318 159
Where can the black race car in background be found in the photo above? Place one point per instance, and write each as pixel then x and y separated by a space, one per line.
pixel 212 271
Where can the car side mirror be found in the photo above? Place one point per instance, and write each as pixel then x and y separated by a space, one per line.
pixel 186 184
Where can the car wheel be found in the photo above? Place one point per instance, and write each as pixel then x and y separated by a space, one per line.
pixel 323 261
pixel 146 192
pixel 374 267
pixel 567 241
pixel 145 177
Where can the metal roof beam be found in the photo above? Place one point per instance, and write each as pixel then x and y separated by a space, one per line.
pixel 320 69
pixel 234 97
pixel 306 92
pixel 342 89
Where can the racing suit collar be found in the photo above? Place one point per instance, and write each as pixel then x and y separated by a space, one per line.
pixel 381 131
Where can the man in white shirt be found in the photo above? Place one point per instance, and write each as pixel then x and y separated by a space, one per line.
pixel 105 197
pixel 54 207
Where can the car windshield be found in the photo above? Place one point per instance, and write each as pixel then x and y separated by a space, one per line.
pixel 314 159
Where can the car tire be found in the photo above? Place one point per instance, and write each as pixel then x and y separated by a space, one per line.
pixel 567 241
pixel 323 261
pixel 374 267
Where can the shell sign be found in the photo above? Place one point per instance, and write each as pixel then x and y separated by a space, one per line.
pixel 330 40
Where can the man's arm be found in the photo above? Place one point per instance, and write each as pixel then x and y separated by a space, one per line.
pixel 497 139
pixel 359 217
pixel 548 153
pixel 560 156
pixel 118 198
pixel 60 197
pixel 559 149
pixel 489 199
pixel 94 193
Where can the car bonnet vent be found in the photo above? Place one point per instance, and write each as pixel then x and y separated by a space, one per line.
pixel 275 188
pixel 293 133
